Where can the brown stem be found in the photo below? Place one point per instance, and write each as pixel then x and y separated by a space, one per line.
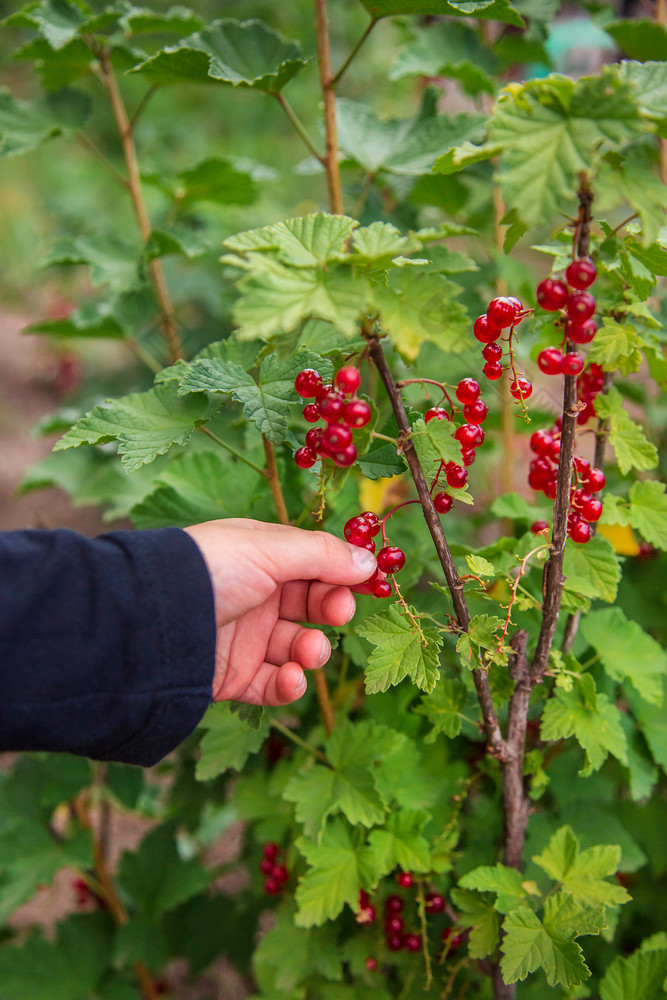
pixel 493 733
pixel 515 800
pixel 136 193
pixel 328 85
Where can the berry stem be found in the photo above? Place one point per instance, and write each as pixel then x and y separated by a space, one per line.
pixel 423 927
pixel 295 738
pixel 428 381
pixel 384 437
pixel 415 621
pixel 274 481
pixel 232 451
pixel 353 53
pixel 390 513
pixel 299 128
pixel 523 563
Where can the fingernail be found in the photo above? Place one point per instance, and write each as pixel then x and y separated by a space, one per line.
pixel 301 686
pixel 353 608
pixel 364 560
pixel 325 651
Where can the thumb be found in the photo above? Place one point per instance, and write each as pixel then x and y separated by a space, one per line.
pixel 298 554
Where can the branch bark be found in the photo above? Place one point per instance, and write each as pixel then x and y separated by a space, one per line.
pixel 328 85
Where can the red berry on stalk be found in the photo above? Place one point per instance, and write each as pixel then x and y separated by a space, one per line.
pixel 502 311
pixel 307 382
pixel 331 406
pixel 366 915
pixel 442 503
pixel 346 457
pixel 537 527
pixel 485 331
pixel 394 925
pixel 475 413
pixel 579 532
pixel 272 887
pixel 434 903
pixel 393 904
pixel 468 456
pixel 373 520
pixel 412 942
pixel 521 388
pixel 371 963
pixel 581 464
pixel 492 352
pixel 348 379
pixel 468 390
pixel 469 435
pixel 493 370
pixel 594 480
pixel 394 942
pixel 337 436
pixel 357 531
pixel 265 866
pixel 541 442
pixel 305 458
pixel 382 588
pixel 541 467
pixel 436 413
pixel 573 364
pixel 581 274
pixel 391 559
pixel 551 488
pixel 552 294
pixel 581 333
pixel 591 509
pixel 364 899
pixel 580 306
pixel 518 305
pixel 550 361
pixel 554 450
pixel 405 880
pixel 270 851
pixel 279 873
pixel 457 477
pixel 356 413
pixel 314 438
pixel 311 413
pixel 451 939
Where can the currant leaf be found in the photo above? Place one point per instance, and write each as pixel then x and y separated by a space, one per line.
pixel 590 717
pixel 400 651
pixel 627 652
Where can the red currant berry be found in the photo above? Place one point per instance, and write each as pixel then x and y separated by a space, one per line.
pixel 468 456
pixel 331 406
pixel 337 436
pixel 305 458
pixel 469 435
pixel 270 851
pixel 541 467
pixel 581 464
pixel 279 873
pixel 467 391
pixel 537 480
pixel 551 488
pixel 370 546
pixel 394 942
pixel 485 331
pixel 581 273
pixel 521 388
pixel 364 899
pixel 554 450
pixel 550 361
pixel 537 527
pixel 405 880
pixel 371 963
pixel 591 509
pixel 457 477
pixel 442 503
pixel 265 866
pixel 311 413
pixel 348 379
pixel 391 559
pixel 579 532
pixel 436 413
pixel 371 518
pixel 552 294
pixel 307 382
pixel 356 413
pixel 366 915
pixel 382 588
pixel 412 942
pixel 518 305
pixel 502 311
pixel 475 413
pixel 492 352
pixel 573 364
pixel 586 414
pixel 357 530
pixel 393 904
pixel 451 939
pixel 582 333
pixel 580 306
pixel 314 438
pixel 594 480
pixel 434 903
pixel 493 370
pixel 541 442
pixel 272 887
pixel 346 457
pixel 394 925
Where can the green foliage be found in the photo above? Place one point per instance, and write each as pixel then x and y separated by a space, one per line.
pixel 400 651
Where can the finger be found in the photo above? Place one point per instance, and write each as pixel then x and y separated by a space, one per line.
pixel 273 685
pixel 320 603
pixel 291 642
pixel 297 554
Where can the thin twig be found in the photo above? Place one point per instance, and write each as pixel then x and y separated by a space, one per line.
pixel 298 125
pixel 295 738
pixel 329 97
pixel 141 107
pixel 90 146
pixel 353 53
pixel 234 452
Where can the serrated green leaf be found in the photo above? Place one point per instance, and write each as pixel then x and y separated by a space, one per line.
pixel 112 261
pixel 287 955
pixel 552 129
pixel 497 10
pixel 616 345
pixel 25 126
pixel 91 320
pixel 58 68
pixel 648 511
pixel 417 306
pixel 252 714
pixel 452 50
pixel 515 506
pixel 180 239
pixel 480 566
pixel 245 54
pixel 381 242
pixel 506 883
pixel 156 877
pixel 443 707
pixel 401 843
pixel 592 569
pixel 640 976
pixel 649 80
pixel 305 241
pixel 228 741
pixel 651 721
pixel 481 920
pixel 565 918
pixel 406 146
pixel 482 634
pixel 639 39
pixel 399 652
pixel 588 716
pixel 632 449
pixel 145 424
pixel 57 21
pixel 632 181
pixel 626 651
pixel 434 443
pixel 582 874
pixel 527 945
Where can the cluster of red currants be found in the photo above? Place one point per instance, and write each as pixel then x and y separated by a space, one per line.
pixel 360 530
pixel 275 874
pixel 585 508
pixel 341 415
pixel 570 296
pixel 469 434
pixel 503 313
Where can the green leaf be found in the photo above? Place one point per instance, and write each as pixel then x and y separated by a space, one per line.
pixel 528 945
pixel 418 306
pixel 57 21
pixel 633 180
pixel 382 459
pixel 649 83
pixel 588 716
pixel 565 918
pixel 464 156
pixel 481 920
pixel 112 262
pixel 506 883
pixel 482 634
pixel 443 707
pixel 156 877
pixel 582 874
pixel 216 180
pixel 381 242
pixel 401 145
pixel 626 651
pixel 25 126
pixel 145 424
pixel 632 449
pixel 236 53
pixel 399 652
pixel 551 130
pixel 58 68
pixel 651 721
pixel 616 345
pixel 401 843
pixel 180 239
pixel 92 320
pixel 639 39
pixel 305 241
pixel 496 10
pixel 640 976
pixel 648 511
pixel 434 443
pixel 480 566
pixel 592 569
pixel 515 506
pixel 228 741
pixel 287 955
pixel 451 50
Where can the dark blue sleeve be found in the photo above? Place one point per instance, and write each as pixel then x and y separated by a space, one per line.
pixel 107 645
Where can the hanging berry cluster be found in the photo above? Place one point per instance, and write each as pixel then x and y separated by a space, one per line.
pixel 341 411
pixel 503 313
pixel 360 530
pixel 585 509
pixel 275 874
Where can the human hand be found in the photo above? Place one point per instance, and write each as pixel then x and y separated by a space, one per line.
pixel 266 579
